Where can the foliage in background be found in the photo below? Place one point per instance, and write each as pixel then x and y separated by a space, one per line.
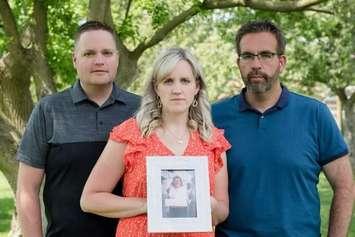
pixel 63 20
pixel 36 46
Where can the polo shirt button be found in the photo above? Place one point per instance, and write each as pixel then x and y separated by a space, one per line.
pixel 101 122
pixel 262 116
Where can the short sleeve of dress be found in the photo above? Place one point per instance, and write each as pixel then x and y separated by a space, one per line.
pixel 128 132
pixel 219 144
pixel 125 132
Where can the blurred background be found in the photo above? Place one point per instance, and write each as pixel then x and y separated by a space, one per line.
pixel 36 42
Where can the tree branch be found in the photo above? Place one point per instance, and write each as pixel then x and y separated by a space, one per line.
pixel 280 6
pixel 43 76
pixel 121 46
pixel 40 27
pixel 160 34
pixel 320 10
pixel 127 9
pixel 9 25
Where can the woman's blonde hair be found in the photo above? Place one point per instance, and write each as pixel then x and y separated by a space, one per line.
pixel 149 114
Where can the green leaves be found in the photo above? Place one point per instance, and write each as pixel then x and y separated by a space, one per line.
pixel 128 29
pixel 63 19
pixel 160 14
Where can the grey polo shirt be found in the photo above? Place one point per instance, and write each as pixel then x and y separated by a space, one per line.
pixel 69 117
pixel 65 135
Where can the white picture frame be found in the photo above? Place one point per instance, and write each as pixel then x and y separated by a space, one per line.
pixel 172 208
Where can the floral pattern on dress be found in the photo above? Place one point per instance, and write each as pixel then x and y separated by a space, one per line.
pixel 134 177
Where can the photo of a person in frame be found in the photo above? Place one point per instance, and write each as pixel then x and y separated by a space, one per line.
pixel 179 199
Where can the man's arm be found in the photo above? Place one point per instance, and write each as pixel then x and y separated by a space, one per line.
pixel 27 200
pixel 339 175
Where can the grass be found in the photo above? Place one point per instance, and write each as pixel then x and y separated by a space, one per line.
pixel 7 206
pixel 326 199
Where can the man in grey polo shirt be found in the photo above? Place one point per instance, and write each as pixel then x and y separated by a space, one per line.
pixel 66 134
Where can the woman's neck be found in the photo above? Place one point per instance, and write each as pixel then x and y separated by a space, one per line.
pixel 175 121
pixel 174 132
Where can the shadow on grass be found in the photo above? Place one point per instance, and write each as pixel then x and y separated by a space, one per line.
pixel 6 211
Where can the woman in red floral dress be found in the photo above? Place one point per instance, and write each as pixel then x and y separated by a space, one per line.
pixel 174 119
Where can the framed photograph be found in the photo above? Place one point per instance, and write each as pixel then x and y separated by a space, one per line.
pixel 178 194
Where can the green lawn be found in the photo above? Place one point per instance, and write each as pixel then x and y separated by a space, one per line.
pixel 7 206
pixel 325 197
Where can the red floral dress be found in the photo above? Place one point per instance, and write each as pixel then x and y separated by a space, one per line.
pixel 134 177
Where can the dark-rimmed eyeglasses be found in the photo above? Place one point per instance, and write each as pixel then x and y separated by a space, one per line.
pixel 263 56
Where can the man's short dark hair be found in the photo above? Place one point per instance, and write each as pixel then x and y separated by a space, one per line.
pixel 261 26
pixel 94 25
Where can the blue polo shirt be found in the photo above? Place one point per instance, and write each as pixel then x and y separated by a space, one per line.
pixel 274 164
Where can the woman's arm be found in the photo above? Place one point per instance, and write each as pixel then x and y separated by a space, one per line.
pixel 97 196
pixel 220 201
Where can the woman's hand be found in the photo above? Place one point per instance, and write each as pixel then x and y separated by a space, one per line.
pixel 219 200
pixel 213 208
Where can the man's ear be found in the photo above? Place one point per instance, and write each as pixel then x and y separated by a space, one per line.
pixel 237 61
pixel 282 62
pixel 74 59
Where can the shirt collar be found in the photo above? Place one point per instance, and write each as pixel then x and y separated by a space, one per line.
pixel 78 94
pixel 281 102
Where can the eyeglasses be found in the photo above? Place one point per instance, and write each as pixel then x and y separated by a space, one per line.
pixel 263 57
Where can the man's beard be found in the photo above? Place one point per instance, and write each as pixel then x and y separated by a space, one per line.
pixel 261 86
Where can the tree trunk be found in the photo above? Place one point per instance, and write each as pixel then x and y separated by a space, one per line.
pixel 15 107
pixel 100 10
pixel 349 127
pixel 127 68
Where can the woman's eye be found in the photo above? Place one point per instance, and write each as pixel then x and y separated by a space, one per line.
pixel 168 81
pixel 185 81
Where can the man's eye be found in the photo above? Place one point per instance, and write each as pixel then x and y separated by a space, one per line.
pixel 266 55
pixel 107 53
pixel 247 56
pixel 89 54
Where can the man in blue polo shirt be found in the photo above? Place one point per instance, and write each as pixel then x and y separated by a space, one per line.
pixel 281 141
pixel 65 136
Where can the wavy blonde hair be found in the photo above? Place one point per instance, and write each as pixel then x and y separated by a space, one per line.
pixel 149 115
